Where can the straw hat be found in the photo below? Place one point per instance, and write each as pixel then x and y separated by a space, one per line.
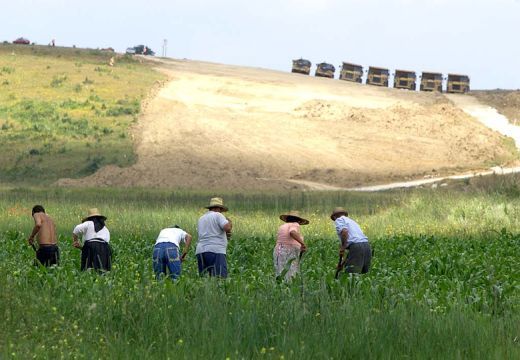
pixel 338 210
pixel 217 202
pixel 294 214
pixel 92 213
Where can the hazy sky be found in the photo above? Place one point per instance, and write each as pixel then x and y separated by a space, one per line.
pixel 474 37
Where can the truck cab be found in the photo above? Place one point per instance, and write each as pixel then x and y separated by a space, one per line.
pixel 301 66
pixel 457 84
pixel 325 70
pixel 351 72
pixel 431 81
pixel 377 76
pixel 404 79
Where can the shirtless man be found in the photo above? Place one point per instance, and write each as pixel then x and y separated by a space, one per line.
pixel 48 252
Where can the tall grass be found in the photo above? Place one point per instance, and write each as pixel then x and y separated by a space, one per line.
pixel 444 283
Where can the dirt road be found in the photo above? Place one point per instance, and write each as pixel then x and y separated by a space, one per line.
pixel 487 115
pixel 219 127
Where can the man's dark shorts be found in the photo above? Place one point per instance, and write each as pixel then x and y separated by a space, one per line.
pixel 359 258
pixel 48 255
pixel 212 264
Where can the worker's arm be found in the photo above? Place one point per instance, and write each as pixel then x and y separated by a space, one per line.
pixel 75 241
pixel 78 230
pixel 228 227
pixel 187 244
pixel 344 239
pixel 298 237
pixel 37 226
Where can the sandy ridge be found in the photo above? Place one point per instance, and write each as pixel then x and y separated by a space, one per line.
pixel 224 127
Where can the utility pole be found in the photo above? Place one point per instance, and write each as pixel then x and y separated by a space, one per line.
pixel 165 47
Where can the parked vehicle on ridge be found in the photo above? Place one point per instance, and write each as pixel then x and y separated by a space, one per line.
pixel 325 70
pixel 301 66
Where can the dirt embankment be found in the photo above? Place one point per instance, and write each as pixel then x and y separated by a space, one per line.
pixel 223 127
pixel 507 102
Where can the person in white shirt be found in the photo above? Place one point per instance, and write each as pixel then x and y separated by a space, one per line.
pixel 166 252
pixel 214 230
pixel 95 238
pixel 351 237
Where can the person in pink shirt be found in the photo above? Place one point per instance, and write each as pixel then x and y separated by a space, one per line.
pixel 289 245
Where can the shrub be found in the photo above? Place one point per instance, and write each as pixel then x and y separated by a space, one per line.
pixel 94 97
pixel 33 111
pixel 71 104
pixel 101 69
pixel 129 108
pixel 7 70
pixel 93 164
pixel 58 80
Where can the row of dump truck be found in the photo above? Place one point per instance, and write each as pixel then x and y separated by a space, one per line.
pixel 403 79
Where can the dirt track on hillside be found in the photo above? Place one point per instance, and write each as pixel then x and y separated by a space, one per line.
pixel 221 127
pixel 507 102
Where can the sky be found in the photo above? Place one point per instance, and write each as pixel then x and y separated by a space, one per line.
pixel 474 37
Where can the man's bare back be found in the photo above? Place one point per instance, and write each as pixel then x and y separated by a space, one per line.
pixel 44 229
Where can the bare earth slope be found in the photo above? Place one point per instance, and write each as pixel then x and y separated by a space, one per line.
pixel 225 127
pixel 507 102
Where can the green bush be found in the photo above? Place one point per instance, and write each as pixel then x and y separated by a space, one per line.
pixel 7 70
pixel 58 80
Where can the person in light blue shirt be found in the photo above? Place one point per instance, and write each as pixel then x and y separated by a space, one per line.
pixel 214 230
pixel 353 239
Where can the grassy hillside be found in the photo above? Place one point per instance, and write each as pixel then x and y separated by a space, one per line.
pixel 65 112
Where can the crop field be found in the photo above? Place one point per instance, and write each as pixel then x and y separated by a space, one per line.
pixel 65 112
pixel 445 279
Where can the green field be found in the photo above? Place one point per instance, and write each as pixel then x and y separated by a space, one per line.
pixel 445 280
pixel 65 112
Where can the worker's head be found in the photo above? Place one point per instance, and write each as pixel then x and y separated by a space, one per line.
pixel 217 204
pixel 293 217
pixel 338 212
pixel 38 209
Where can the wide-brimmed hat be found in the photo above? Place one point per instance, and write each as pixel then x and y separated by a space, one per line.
pixel 93 213
pixel 217 202
pixel 294 214
pixel 338 210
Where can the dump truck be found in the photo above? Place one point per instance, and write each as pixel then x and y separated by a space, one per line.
pixel 140 50
pixel 351 72
pixel 457 84
pixel 431 81
pixel 404 79
pixel 325 70
pixel 301 66
pixel 377 76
